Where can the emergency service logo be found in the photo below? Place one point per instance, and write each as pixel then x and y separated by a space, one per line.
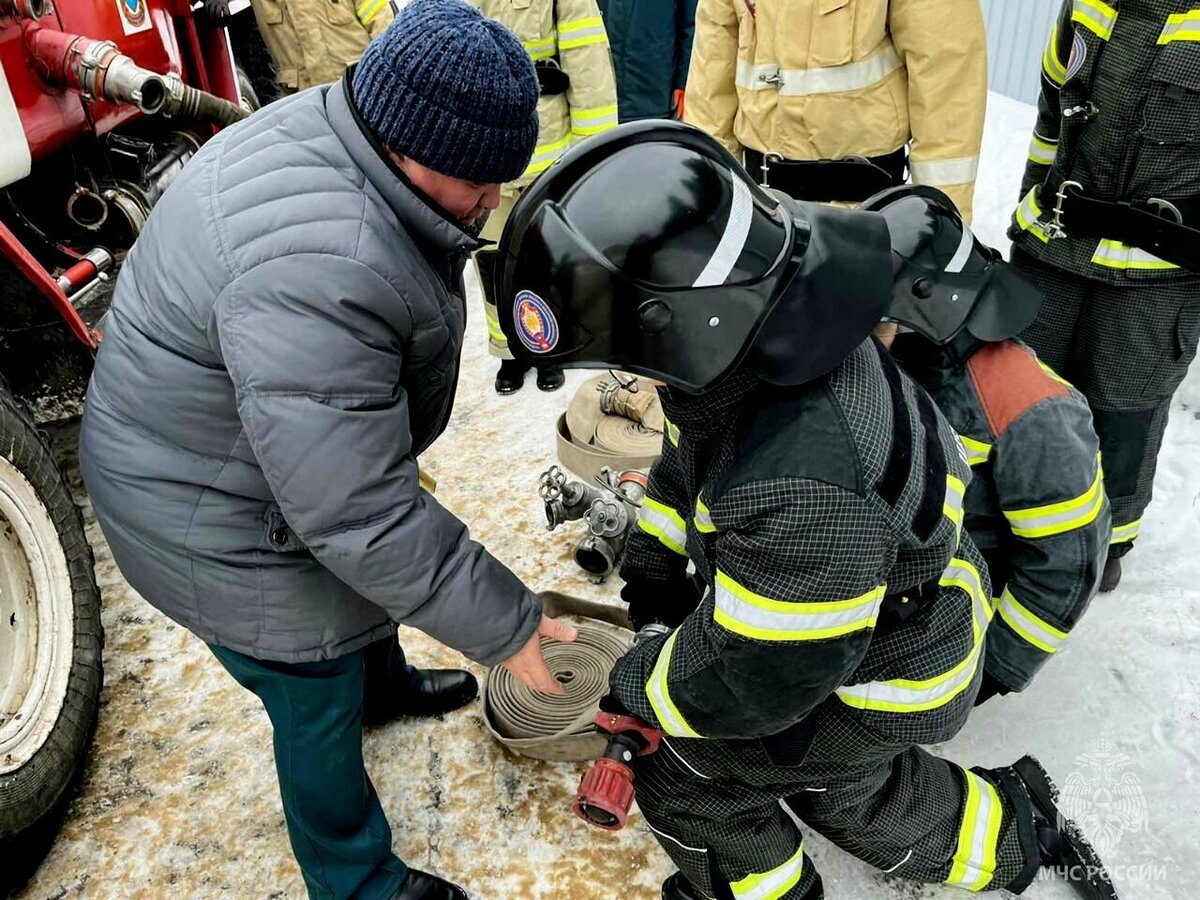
pixel 1078 57
pixel 135 16
pixel 1103 798
pixel 536 326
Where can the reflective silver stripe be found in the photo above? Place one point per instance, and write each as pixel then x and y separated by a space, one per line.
pixel 741 213
pixel 974 861
pixel 669 716
pixel 896 696
pixel 1057 518
pixel 703 520
pixel 1042 151
pixel 664 523
pixel 944 171
pixel 962 574
pixel 828 80
pixel 676 841
pixel 1124 533
pixel 1181 27
pixel 1033 630
pixel 1096 16
pixel 1028 214
pixel 965 245
pixel 744 612
pixel 1115 255
pixel 773 884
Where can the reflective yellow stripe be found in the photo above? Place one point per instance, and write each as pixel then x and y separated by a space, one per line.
pixel 1123 534
pixel 1042 151
pixel 740 610
pixel 1115 255
pixel 773 884
pixel 669 717
pixel 952 508
pixel 977 451
pixel 662 522
pixel 1028 214
pixel 581 33
pixel 903 695
pixel 1049 371
pixel 1054 68
pixel 1059 518
pixel 703 520
pixel 369 9
pixel 672 431
pixel 974 862
pixel 493 324
pixel 1181 27
pixel 586 122
pixel 545 155
pixel 1031 628
pixel 1096 16
pixel 944 171
pixel 542 48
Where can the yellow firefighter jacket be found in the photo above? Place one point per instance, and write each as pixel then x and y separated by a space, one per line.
pixel 313 41
pixel 569 34
pixel 826 79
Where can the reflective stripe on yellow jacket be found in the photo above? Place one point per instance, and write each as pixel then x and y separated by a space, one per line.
pixel 570 33
pixel 313 41
pixel 825 79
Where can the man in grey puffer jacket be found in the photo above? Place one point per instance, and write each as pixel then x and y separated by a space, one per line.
pixel 284 341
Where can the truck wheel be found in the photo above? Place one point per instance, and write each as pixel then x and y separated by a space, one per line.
pixel 50 643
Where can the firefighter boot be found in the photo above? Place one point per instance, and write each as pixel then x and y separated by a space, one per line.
pixel 422 886
pixel 550 378
pixel 511 377
pixel 1062 845
pixel 1112 575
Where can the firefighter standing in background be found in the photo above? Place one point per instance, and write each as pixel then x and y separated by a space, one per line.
pixel 651 50
pixel 569 46
pixel 818 493
pixel 1035 506
pixel 826 97
pixel 313 41
pixel 1109 228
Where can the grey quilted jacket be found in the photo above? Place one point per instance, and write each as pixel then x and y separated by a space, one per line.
pixel 284 341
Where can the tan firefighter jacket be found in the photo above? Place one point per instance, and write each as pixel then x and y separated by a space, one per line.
pixel 569 34
pixel 826 79
pixel 313 41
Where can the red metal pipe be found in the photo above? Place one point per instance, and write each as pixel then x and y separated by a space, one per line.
pixel 32 269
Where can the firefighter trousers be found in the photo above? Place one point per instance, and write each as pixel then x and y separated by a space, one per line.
pixel 492 229
pixel 1127 348
pixel 728 812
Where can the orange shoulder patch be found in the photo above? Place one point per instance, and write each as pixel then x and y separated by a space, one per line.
pixel 1009 381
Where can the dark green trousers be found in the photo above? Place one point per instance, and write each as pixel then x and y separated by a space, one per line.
pixel 338 831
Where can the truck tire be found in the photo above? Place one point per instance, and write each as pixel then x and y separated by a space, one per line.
pixel 50 646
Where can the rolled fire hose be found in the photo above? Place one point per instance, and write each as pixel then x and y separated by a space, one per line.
pixel 610 425
pixel 561 727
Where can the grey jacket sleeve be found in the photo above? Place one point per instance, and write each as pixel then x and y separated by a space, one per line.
pixel 1051 489
pixel 314 346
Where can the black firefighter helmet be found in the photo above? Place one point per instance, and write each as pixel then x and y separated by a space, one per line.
pixel 947 283
pixel 649 249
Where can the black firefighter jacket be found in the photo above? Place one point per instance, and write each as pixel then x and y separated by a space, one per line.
pixel 1119 114
pixel 825 522
pixel 1035 506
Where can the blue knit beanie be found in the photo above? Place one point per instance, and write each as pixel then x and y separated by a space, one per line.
pixel 452 90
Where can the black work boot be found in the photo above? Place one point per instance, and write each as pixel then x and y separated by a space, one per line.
pixel 679 888
pixel 1112 575
pixel 511 377
pixel 423 886
pixel 1062 845
pixel 550 378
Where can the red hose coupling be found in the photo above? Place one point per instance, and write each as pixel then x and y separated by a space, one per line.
pixel 605 795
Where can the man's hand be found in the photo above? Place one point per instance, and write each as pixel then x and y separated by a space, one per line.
pixel 527 665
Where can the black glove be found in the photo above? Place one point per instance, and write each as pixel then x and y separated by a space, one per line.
pixel 655 600
pixel 610 704
pixel 217 11
pixel 989 688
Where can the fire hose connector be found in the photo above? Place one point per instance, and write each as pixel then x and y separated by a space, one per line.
pixel 606 790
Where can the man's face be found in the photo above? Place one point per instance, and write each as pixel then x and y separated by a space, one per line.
pixel 464 200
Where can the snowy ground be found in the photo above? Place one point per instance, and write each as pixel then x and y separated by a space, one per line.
pixel 180 797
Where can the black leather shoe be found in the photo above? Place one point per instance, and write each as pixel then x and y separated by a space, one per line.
pixel 511 377
pixel 1112 575
pixel 423 886
pixel 441 691
pixel 550 378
